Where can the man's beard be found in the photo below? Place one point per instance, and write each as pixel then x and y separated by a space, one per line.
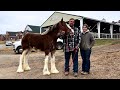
pixel 71 25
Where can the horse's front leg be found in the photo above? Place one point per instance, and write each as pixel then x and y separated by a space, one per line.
pixel 53 66
pixel 45 69
pixel 25 62
pixel 20 67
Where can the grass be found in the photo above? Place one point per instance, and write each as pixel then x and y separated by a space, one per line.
pixel 97 42
pixel 106 41
pixel 2 42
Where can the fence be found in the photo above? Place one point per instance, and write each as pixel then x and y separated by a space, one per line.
pixel 107 35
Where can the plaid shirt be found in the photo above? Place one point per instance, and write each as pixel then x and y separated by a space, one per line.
pixel 71 40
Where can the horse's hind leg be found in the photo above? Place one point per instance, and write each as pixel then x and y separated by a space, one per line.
pixel 45 69
pixel 53 67
pixel 20 67
pixel 25 62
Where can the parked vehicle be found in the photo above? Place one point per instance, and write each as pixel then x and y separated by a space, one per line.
pixel 18 48
pixel 59 44
pixel 8 43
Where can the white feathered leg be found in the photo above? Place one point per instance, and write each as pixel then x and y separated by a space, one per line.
pixel 20 67
pixel 45 69
pixel 53 67
pixel 25 63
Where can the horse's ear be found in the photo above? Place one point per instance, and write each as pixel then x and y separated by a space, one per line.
pixel 62 20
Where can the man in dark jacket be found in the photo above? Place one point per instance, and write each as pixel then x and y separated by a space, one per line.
pixel 87 42
pixel 71 46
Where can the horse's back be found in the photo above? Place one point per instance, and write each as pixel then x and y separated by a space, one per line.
pixel 35 40
pixel 31 36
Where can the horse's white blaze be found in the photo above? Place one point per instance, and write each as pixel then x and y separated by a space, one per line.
pixel 70 27
pixel 53 67
pixel 25 63
pixel 45 69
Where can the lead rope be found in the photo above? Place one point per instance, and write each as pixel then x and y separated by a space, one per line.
pixel 75 50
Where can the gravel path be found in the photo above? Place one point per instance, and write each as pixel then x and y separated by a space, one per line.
pixel 105 64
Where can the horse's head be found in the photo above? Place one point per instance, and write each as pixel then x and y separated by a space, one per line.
pixel 62 27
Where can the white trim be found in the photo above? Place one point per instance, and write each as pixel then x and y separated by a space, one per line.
pixel 28 28
pixel 81 24
pixel 40 30
pixel 98 27
pixel 111 30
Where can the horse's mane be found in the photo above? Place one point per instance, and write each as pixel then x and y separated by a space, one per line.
pixel 44 33
pixel 51 28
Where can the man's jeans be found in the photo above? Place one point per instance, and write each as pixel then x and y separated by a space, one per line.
pixel 74 58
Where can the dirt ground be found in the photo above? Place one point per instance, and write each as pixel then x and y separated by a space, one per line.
pixel 105 64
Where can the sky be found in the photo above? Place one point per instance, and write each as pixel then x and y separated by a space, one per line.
pixel 18 20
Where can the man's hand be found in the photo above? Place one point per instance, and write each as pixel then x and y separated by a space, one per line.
pixel 63 32
pixel 77 47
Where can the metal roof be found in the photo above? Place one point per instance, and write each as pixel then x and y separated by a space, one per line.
pixel 35 29
pixel 57 16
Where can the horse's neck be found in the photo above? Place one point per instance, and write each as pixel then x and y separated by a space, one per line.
pixel 44 33
pixel 53 34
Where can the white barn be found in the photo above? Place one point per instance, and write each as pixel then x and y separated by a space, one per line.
pixel 100 28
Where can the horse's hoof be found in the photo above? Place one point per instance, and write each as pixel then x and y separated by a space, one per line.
pixel 54 71
pixel 20 70
pixel 46 73
pixel 27 68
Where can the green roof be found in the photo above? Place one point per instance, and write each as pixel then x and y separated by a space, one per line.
pixel 35 29
pixel 12 33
